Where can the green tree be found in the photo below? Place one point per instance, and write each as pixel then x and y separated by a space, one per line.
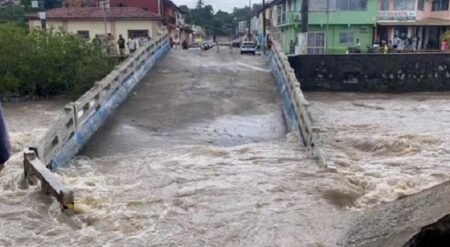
pixel 47 63
pixel 220 23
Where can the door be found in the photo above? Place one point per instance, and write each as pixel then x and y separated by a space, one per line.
pixel 316 42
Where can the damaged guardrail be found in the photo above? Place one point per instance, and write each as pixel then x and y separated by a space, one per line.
pixel 82 118
pixel 35 169
pixel 295 104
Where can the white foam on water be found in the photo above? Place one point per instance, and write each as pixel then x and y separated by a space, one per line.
pixel 388 145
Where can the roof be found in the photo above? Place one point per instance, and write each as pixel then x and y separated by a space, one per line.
pixel 90 13
pixel 423 22
pixel 174 5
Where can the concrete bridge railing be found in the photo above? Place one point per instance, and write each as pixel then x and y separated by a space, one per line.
pixel 83 117
pixel 295 105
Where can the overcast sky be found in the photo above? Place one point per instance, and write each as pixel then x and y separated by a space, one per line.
pixel 224 5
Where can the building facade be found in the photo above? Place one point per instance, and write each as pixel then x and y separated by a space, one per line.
pixel 337 26
pixel 172 16
pixel 423 21
pixel 88 22
pixel 334 26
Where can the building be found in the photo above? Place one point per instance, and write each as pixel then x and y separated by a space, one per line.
pixel 334 26
pixel 424 19
pixel 172 17
pixel 258 24
pixel 87 22
pixel 153 6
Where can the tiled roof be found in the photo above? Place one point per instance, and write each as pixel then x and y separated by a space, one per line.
pixel 97 13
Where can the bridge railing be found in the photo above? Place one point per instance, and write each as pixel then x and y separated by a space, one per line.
pixel 42 151
pixel 305 122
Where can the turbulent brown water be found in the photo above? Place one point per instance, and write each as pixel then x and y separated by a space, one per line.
pixel 189 195
pixel 269 193
pixel 388 145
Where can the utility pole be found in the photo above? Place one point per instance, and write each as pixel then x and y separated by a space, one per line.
pixel 328 22
pixel 43 15
pixel 250 18
pixel 105 6
pixel 264 26
pixel 303 36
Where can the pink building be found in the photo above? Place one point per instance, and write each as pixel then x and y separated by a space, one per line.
pixel 412 24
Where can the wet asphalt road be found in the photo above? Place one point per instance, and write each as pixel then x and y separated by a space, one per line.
pixel 195 97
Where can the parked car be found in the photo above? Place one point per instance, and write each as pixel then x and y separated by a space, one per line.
pixel 248 47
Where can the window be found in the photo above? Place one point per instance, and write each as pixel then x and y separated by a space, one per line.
pixel 384 5
pixel 439 5
pixel 352 5
pixel 364 30
pixel 316 42
pixel 279 14
pixel 322 5
pixel 421 5
pixel 83 34
pixel 132 34
pixel 283 12
pixel 404 4
pixel 346 37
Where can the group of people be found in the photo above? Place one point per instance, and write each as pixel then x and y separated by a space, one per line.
pixel 111 45
pixel 408 44
pixel 399 44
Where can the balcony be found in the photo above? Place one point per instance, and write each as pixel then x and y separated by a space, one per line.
pixel 289 18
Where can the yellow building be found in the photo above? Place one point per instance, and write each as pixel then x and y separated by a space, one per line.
pixel 130 22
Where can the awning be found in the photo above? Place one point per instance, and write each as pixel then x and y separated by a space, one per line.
pixel 423 22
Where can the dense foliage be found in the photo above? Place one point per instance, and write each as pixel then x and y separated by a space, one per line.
pixel 219 23
pixel 48 63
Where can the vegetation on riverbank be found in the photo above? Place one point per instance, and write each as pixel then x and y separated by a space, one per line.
pixel 48 63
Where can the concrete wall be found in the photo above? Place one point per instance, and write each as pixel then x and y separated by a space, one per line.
pixel 374 72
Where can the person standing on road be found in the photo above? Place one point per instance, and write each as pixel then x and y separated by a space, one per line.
pixel 444 45
pixel 121 43
pixel 5 147
pixel 111 46
pixel 97 40
pixel 131 45
pixel 414 43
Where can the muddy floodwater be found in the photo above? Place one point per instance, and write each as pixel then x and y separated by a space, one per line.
pixel 388 145
pixel 215 166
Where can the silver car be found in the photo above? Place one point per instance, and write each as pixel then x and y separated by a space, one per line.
pixel 248 47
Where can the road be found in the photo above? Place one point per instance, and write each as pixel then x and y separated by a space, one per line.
pixel 195 98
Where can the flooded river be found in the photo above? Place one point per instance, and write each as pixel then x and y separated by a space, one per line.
pixel 388 145
pixel 212 164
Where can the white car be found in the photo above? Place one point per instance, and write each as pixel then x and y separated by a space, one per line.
pixel 248 47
